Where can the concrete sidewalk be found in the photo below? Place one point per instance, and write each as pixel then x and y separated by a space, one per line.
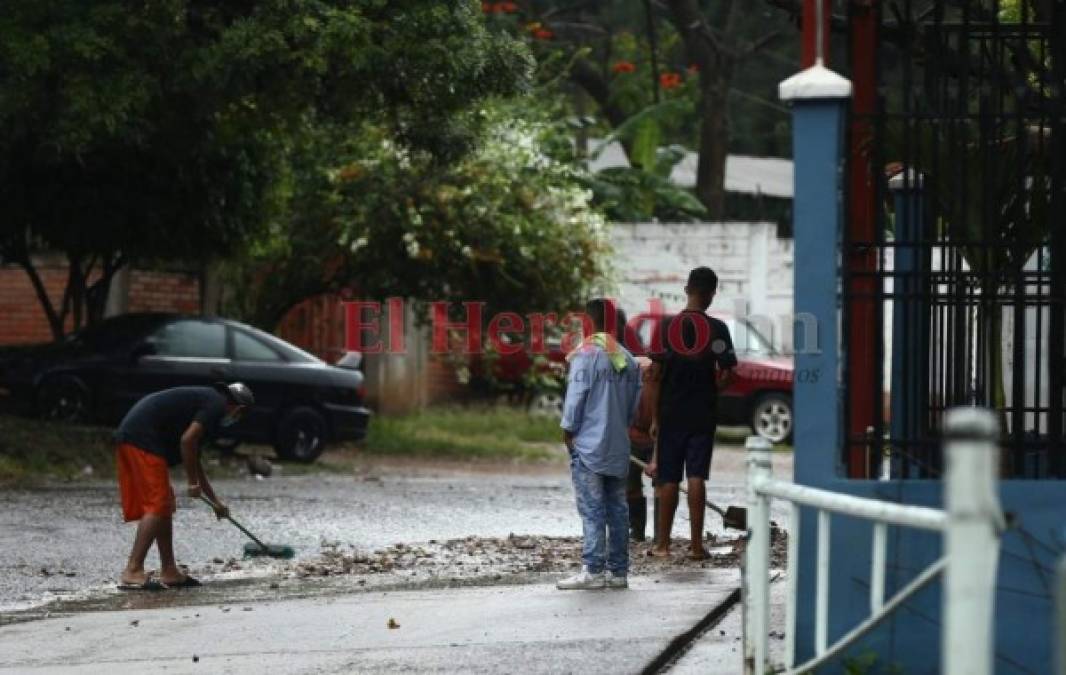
pixel 500 629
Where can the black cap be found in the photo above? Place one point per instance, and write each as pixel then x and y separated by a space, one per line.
pixel 237 393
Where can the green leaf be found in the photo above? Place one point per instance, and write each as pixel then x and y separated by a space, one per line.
pixel 645 144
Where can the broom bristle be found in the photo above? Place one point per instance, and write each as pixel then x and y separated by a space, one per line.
pixel 273 550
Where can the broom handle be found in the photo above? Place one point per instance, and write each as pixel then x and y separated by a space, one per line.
pixel 239 526
pixel 711 505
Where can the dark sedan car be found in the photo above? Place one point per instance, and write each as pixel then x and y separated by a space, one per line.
pixel 99 373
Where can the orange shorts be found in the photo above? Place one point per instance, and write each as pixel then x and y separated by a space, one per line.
pixel 144 483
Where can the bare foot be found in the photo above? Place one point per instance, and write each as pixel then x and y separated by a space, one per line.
pixel 173 577
pixel 658 552
pixel 700 553
pixel 133 578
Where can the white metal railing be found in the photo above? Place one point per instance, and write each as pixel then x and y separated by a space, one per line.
pixel 970 523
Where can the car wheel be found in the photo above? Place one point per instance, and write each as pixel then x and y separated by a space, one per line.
pixel 771 417
pixel 301 435
pixel 64 399
pixel 547 404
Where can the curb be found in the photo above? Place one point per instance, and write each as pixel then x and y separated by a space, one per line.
pixel 680 644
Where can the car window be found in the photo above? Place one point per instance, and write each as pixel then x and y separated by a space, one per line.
pixel 247 348
pixel 748 340
pixel 291 353
pixel 190 339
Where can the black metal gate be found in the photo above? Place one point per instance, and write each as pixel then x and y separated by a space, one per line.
pixel 966 154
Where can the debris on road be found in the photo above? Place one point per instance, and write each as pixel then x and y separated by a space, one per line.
pixel 479 559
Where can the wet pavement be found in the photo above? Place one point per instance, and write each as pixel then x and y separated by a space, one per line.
pixel 414 532
pixel 382 526
pixel 505 629
pixel 65 540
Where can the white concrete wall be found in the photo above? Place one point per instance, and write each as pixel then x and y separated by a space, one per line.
pixel 754 267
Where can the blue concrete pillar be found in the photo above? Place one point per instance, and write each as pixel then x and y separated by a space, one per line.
pixel 910 316
pixel 819 100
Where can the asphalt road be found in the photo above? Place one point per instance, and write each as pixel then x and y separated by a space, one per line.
pixel 67 542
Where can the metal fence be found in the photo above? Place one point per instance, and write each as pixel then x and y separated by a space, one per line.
pixel 959 293
pixel 971 522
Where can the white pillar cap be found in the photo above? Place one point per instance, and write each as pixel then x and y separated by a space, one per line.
pixel 814 82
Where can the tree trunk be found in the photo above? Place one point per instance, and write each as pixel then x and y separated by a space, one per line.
pixel 96 294
pixel 714 141
pixel 716 59
pixel 55 320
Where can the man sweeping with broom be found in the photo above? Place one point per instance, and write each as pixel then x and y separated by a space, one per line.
pixel 162 430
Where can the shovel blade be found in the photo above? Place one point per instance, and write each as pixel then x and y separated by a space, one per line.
pixel 736 518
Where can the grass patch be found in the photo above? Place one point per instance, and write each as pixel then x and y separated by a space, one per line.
pixel 34 450
pixel 31 448
pixel 476 432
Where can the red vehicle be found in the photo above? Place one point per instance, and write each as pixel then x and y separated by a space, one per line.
pixel 760 395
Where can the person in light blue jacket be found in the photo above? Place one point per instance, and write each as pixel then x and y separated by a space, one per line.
pixel 603 388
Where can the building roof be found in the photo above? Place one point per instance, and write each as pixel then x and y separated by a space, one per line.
pixel 770 176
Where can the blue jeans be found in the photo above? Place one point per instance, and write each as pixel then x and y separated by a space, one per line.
pixel 601 503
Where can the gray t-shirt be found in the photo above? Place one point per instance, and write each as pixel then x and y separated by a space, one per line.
pixel 156 423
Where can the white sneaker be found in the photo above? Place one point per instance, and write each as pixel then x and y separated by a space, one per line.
pixel 617 581
pixel 582 581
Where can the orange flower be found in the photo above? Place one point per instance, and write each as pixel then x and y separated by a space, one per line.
pixel 506 7
pixel 487 7
pixel 669 80
pixel 623 67
pixel 543 34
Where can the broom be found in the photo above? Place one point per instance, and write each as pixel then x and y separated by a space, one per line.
pixel 733 517
pixel 258 548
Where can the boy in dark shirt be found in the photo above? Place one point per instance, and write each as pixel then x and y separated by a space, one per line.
pixel 695 362
pixel 162 430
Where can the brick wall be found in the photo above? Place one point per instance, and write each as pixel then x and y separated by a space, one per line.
pixel 151 291
pixel 315 325
pixel 22 320
pixel 395 382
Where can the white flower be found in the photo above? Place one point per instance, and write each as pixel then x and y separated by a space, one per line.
pixel 358 244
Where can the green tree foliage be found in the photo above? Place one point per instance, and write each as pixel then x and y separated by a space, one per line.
pixel 163 130
pixel 708 70
pixel 507 224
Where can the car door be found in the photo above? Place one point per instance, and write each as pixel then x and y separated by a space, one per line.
pixel 262 367
pixel 181 353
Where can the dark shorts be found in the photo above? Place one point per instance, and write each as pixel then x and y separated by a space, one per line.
pixel 684 451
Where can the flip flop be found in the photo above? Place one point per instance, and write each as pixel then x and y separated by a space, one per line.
pixel 187 582
pixel 652 554
pixel 148 585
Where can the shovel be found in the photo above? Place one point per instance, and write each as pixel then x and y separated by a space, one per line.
pixel 734 517
pixel 258 548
